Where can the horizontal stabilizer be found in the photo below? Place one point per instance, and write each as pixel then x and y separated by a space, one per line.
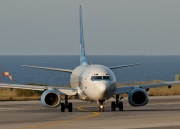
pixel 122 66
pixel 47 68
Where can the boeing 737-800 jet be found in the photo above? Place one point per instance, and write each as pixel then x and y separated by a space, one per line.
pixel 95 83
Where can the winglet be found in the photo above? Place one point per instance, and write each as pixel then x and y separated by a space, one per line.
pixel 83 60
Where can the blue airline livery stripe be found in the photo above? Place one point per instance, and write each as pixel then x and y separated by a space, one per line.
pixel 83 60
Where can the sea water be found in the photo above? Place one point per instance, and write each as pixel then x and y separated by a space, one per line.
pixel 151 68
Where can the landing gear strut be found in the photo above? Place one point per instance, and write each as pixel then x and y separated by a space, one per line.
pixel 117 104
pixel 67 105
pixel 101 105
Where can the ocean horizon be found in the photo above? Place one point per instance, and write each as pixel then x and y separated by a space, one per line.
pixel 151 68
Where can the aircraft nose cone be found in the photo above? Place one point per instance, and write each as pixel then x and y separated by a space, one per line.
pixel 101 89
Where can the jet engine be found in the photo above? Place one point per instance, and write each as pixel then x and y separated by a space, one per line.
pixel 138 97
pixel 51 98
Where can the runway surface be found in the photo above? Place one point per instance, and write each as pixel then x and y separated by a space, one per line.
pixel 159 113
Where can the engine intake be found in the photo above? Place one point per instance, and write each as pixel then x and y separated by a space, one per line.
pixel 50 98
pixel 138 97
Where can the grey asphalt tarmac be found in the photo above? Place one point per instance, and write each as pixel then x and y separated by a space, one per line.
pixel 159 113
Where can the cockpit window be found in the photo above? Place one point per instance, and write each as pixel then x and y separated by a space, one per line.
pixel 98 78
pixel 105 77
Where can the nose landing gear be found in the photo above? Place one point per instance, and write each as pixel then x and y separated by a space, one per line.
pixel 101 108
pixel 101 105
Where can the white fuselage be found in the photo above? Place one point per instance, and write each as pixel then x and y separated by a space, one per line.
pixel 93 82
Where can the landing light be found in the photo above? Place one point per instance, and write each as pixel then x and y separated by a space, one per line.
pixel 101 106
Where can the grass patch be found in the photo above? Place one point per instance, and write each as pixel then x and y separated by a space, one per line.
pixel 159 91
pixel 12 95
pixel 164 91
pixel 27 93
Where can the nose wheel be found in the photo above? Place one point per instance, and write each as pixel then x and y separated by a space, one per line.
pixel 101 106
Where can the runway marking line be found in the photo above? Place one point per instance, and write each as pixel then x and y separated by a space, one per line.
pixel 93 114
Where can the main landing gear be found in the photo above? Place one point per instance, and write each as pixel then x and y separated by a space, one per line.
pixel 117 104
pixel 67 105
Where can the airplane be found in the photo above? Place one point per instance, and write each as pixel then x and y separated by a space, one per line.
pixel 94 83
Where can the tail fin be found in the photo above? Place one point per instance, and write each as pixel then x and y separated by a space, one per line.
pixel 83 60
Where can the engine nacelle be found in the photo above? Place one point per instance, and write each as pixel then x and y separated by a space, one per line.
pixel 138 97
pixel 51 98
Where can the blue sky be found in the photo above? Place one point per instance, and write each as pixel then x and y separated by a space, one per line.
pixel 111 27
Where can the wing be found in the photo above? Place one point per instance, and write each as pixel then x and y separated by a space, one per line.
pixel 122 66
pixel 47 68
pixel 128 89
pixel 65 91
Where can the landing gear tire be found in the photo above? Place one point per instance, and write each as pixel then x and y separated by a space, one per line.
pixel 113 106
pixel 70 107
pixel 120 106
pixel 62 107
pixel 101 108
